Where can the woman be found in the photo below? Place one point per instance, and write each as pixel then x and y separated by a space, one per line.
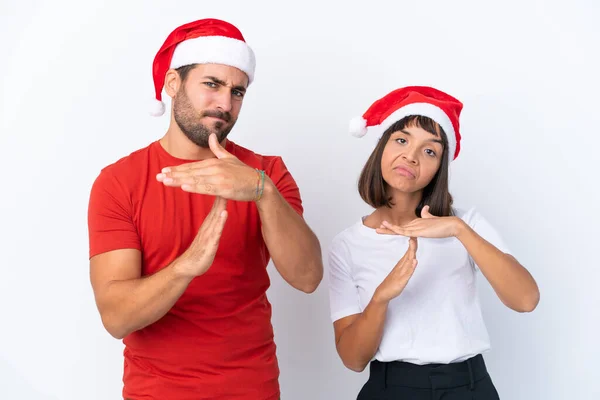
pixel 403 279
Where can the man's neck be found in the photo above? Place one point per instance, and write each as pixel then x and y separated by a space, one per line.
pixel 179 146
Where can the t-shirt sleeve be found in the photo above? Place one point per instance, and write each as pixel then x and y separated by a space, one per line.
pixel 343 294
pixel 485 229
pixel 110 217
pixel 285 183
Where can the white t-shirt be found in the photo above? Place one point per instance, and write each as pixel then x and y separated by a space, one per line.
pixel 437 318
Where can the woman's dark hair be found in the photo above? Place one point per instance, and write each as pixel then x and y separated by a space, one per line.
pixel 374 189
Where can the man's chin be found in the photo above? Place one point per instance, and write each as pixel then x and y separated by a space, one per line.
pixel 202 141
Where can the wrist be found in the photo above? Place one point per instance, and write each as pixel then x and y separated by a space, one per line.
pixel 460 229
pixel 379 300
pixel 182 269
pixel 267 192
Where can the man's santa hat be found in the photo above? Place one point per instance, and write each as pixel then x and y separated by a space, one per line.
pixel 414 100
pixel 201 42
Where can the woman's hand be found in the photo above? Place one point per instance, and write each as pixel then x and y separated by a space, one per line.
pixel 428 226
pixel 398 277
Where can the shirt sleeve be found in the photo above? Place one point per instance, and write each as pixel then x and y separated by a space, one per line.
pixel 285 184
pixel 343 294
pixel 110 217
pixel 485 229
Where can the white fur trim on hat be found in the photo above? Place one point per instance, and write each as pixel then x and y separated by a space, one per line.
pixel 426 110
pixel 215 50
pixel 358 127
pixel 157 108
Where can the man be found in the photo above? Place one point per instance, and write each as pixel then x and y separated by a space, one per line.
pixel 181 233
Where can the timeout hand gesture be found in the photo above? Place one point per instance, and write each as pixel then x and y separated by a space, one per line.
pixel 198 258
pixel 225 176
pixel 398 277
pixel 428 226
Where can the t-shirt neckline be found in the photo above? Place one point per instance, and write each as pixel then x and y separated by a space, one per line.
pixel 229 146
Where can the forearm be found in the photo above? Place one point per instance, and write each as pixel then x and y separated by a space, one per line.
pixel 359 342
pixel 513 284
pixel 294 248
pixel 133 304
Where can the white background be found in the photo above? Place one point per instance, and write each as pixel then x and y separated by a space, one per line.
pixel 76 85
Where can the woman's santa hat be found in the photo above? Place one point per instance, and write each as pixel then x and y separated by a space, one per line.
pixel 414 100
pixel 201 42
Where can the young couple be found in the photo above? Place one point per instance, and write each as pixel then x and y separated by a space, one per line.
pixel 181 232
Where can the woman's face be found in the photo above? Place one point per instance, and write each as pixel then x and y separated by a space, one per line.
pixel 411 158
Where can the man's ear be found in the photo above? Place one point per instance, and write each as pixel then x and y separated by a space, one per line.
pixel 172 82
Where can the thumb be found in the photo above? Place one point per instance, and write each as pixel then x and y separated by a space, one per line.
pixel 216 147
pixel 425 213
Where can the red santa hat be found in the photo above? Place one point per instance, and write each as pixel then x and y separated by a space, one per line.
pixel 201 42
pixel 414 100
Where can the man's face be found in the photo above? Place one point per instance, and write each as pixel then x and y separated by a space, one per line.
pixel 209 101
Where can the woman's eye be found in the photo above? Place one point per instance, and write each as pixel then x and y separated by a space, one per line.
pixel 401 140
pixel 430 152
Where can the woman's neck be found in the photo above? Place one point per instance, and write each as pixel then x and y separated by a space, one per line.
pixel 402 211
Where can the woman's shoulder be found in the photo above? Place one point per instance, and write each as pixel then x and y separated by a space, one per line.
pixel 471 215
pixel 349 232
pixel 463 212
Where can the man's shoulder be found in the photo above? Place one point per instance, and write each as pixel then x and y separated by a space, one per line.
pixel 257 160
pixel 124 164
pixel 125 171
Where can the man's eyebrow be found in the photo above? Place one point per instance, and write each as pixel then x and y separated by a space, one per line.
pixel 223 83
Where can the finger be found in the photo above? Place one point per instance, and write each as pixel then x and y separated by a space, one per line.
pixel 218 226
pixel 413 223
pixel 216 147
pixel 214 232
pixel 406 263
pixel 178 178
pixel 413 264
pixel 410 253
pixel 397 230
pixel 190 166
pixel 182 167
pixel 207 169
pixel 183 180
pixel 219 205
pixel 412 246
pixel 391 227
pixel 202 184
pixel 385 231
pixel 425 213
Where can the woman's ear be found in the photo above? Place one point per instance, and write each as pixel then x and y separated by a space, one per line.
pixel 172 83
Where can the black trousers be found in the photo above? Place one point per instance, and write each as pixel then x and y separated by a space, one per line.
pixel 468 380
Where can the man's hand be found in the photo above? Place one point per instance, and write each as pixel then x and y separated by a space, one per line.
pixel 398 277
pixel 226 176
pixel 198 258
